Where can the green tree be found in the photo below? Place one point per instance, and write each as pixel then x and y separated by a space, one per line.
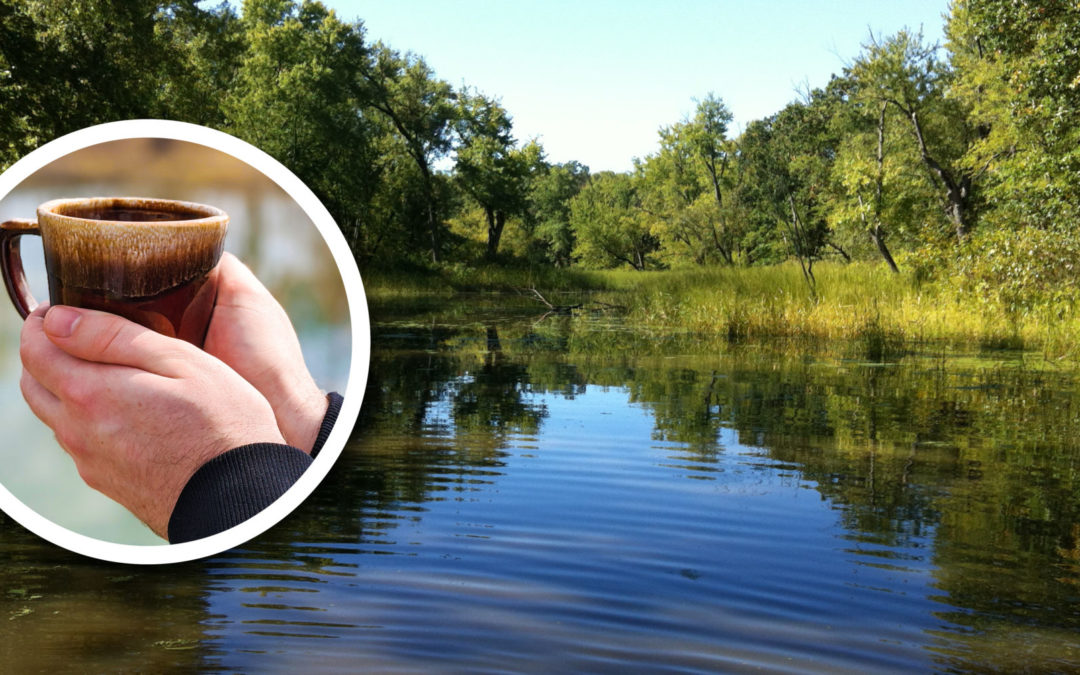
pixel 549 206
pixel 903 72
pixel 707 135
pixel 788 159
pixel 1018 69
pixel 875 192
pixel 421 110
pixel 65 66
pixel 298 97
pixel 687 186
pixel 610 227
pixel 489 167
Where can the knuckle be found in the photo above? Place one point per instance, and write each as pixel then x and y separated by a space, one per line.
pixel 26 384
pixel 73 444
pixel 76 391
pixel 88 476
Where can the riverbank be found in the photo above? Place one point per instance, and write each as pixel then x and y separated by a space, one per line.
pixel 854 302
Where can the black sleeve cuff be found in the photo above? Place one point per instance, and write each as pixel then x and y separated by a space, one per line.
pixel 240 483
pixel 335 400
pixel 233 487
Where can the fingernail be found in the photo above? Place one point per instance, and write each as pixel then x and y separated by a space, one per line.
pixel 60 321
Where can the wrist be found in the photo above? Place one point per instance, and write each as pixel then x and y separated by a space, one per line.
pixel 300 416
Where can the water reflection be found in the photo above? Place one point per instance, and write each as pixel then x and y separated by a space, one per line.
pixel 555 496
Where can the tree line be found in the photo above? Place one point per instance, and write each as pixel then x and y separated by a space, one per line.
pixel 959 159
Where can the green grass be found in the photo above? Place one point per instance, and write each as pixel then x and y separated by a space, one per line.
pixel 858 302
pixel 861 302
pixel 385 284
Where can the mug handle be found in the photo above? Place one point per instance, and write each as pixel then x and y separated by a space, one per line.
pixel 11 263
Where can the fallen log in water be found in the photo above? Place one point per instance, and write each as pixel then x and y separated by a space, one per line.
pixel 566 309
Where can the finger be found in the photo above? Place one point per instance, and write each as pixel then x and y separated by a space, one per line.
pixel 42 402
pixel 66 377
pixel 42 360
pixel 105 338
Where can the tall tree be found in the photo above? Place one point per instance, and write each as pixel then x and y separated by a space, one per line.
pixel 707 135
pixel 788 159
pixel 686 186
pixel 422 110
pixel 877 189
pixel 489 166
pixel 298 97
pixel 549 206
pixel 905 73
pixel 65 66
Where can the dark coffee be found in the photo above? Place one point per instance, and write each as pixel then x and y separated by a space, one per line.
pixel 132 215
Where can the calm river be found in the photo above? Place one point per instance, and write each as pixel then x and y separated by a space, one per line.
pixel 534 494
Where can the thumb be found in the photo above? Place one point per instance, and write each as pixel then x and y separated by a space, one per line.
pixel 102 337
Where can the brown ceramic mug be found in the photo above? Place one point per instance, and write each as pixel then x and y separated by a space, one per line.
pixel 153 261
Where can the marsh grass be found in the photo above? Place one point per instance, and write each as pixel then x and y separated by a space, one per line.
pixel 406 281
pixel 879 313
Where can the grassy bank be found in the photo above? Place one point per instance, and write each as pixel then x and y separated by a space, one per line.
pixel 851 302
pixel 448 280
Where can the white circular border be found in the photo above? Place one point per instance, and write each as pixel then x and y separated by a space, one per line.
pixel 358 315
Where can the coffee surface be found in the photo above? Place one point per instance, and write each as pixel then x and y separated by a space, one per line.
pixel 133 215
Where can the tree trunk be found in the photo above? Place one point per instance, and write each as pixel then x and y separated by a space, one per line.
pixel 956 192
pixel 429 202
pixel 496 221
pixel 879 240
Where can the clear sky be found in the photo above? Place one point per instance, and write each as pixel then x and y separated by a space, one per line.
pixel 595 79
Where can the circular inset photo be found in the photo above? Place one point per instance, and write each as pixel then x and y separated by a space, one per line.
pixel 184 341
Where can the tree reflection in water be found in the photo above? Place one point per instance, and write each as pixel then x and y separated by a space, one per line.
pixel 956 471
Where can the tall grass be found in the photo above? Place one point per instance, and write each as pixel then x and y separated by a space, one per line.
pixel 389 283
pixel 859 302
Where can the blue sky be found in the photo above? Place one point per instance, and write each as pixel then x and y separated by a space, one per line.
pixel 595 79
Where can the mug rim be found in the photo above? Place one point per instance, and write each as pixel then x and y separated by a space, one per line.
pixel 210 214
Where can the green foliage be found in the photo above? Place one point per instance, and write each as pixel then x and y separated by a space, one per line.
pixel 686 187
pixel 1018 67
pixel 899 157
pixel 65 66
pixel 417 111
pixel 1023 272
pixel 549 210
pixel 296 94
pixel 610 227
pixel 489 167
pixel 905 74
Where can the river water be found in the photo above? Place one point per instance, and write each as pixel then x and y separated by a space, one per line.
pixel 553 494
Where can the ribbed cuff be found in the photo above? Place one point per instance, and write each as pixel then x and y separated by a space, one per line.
pixel 333 408
pixel 233 487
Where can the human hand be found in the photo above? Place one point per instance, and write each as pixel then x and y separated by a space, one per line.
pixel 252 334
pixel 138 412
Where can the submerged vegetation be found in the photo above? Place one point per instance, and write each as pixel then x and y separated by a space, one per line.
pixel 925 192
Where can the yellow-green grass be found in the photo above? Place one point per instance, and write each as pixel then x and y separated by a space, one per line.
pixel 851 302
pixel 380 284
pixel 861 301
